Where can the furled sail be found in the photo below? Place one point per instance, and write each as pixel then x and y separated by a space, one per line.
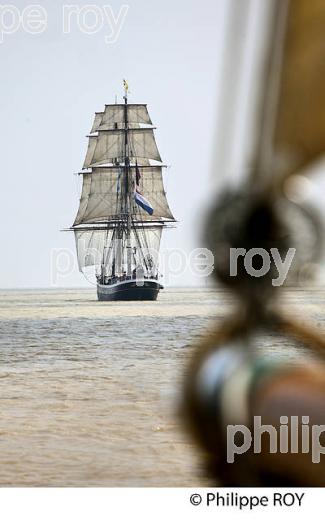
pixel 108 146
pixel 113 117
pixel 100 199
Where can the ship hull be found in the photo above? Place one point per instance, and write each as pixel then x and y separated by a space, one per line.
pixel 129 290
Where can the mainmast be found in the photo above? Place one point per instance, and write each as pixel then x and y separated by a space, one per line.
pixel 128 183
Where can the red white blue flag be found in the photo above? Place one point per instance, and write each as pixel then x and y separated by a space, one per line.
pixel 142 202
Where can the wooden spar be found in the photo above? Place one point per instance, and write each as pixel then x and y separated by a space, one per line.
pixel 292 103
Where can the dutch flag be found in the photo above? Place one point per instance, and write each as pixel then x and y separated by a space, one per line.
pixel 142 202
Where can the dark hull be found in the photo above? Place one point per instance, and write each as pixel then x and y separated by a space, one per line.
pixel 130 290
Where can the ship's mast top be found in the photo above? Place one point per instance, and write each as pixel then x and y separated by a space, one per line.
pixel 126 88
pixel 126 148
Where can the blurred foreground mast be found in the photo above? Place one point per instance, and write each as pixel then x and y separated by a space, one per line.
pixel 228 382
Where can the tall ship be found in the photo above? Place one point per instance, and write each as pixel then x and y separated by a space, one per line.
pixel 123 206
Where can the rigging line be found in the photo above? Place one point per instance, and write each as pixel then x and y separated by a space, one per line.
pixel 106 257
pixel 116 224
pixel 144 236
pixel 142 224
pixel 105 260
pixel 143 228
pixel 140 246
pixel 112 242
pixel 143 231
pixel 137 209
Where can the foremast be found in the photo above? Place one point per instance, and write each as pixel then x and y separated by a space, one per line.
pixel 128 182
pixel 125 217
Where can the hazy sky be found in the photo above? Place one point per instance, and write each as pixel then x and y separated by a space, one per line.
pixel 52 83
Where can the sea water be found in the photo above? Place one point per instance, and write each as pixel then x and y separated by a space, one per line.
pixel 90 391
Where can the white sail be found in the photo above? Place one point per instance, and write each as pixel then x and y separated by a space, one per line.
pixel 108 146
pixel 113 117
pixel 90 249
pixel 151 186
pixel 97 122
pixel 101 195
